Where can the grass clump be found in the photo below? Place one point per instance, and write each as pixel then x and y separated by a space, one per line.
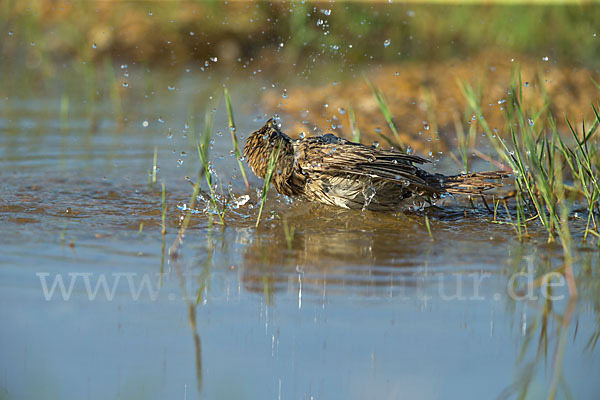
pixel 550 176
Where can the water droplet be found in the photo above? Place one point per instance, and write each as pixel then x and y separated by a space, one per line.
pixel 526 84
pixel 191 33
pixel 32 43
pixel 326 12
pixel 150 13
pixel 545 58
pixel 284 94
pixel 410 13
pixel 386 43
pixel 171 88
pixel 213 59
pixel 302 135
pixel 94 46
pixel 169 134
pixel 341 110
pixel 162 121
pixel 123 66
pixel 10 33
pixel 179 162
pixel 376 144
pixel 531 123
pixel 125 84
pixel 183 154
pixel 145 124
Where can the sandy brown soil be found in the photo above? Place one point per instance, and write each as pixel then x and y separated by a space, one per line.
pixel 426 98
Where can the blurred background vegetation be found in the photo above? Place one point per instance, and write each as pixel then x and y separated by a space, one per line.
pixel 42 35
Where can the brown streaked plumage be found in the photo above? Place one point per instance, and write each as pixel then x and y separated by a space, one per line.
pixel 337 172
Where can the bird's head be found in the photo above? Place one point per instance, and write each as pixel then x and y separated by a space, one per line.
pixel 263 143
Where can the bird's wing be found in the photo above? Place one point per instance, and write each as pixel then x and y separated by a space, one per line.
pixel 326 156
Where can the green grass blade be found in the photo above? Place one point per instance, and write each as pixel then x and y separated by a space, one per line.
pixel 236 148
pixel 387 113
pixel 270 169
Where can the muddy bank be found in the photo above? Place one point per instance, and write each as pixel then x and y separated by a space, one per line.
pixel 427 102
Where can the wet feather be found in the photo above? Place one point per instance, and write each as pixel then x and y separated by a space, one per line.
pixel 338 172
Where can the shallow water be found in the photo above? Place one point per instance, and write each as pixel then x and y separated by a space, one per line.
pixel 352 305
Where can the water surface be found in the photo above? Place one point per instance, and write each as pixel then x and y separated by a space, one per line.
pixel 353 305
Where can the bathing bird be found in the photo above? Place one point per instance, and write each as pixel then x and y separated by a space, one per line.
pixel 337 172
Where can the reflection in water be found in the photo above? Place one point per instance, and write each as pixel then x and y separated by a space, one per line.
pixel 362 252
pixel 329 248
pixel 192 300
pixel 529 369
pixel 327 257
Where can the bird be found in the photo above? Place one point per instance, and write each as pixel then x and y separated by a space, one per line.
pixel 335 171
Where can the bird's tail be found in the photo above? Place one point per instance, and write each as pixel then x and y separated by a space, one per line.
pixel 474 183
